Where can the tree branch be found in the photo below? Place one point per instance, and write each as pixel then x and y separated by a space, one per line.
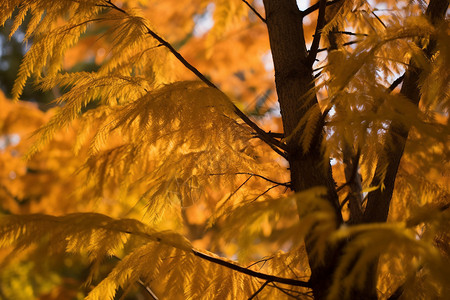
pixel 264 260
pixel 396 83
pixel 379 20
pixel 148 290
pixel 255 11
pixel 314 7
pixel 378 201
pixel 274 148
pixel 397 293
pixel 349 33
pixel 345 44
pixel 235 267
pixel 277 135
pixel 286 184
pixel 231 265
pixel 265 192
pixel 236 190
pixel 261 133
pixel 316 41
pixel 259 290
pixel 142 284
pixel 290 292
pixel 112 5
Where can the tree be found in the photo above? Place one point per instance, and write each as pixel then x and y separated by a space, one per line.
pixel 152 163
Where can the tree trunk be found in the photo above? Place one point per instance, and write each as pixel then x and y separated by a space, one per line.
pixel 295 88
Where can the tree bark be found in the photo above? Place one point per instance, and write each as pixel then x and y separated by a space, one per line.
pixel 295 88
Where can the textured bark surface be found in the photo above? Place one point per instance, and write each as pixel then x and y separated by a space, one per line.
pixel 294 83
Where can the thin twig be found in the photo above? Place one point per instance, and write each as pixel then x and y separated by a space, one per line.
pixel 249 272
pixel 378 18
pixel 287 184
pixel 292 270
pixel 350 33
pixel 319 68
pixel 277 135
pixel 82 23
pixel 347 198
pixel 339 188
pixel 259 290
pixel 397 293
pixel 326 112
pixel 345 44
pixel 142 284
pixel 274 148
pixel 261 133
pixel 112 5
pixel 396 83
pixel 283 291
pixel 314 7
pixel 316 41
pixel 294 291
pixel 255 11
pixel 149 291
pixel 264 260
pixel 265 192
pixel 236 190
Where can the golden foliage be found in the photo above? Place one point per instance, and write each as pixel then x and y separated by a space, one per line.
pixel 166 164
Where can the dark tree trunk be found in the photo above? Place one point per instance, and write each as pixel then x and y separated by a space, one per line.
pixel 295 85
